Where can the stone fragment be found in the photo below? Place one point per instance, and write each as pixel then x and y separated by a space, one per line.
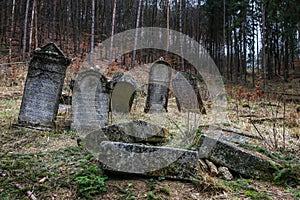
pixel 236 159
pixel 158 87
pixel 43 88
pixel 155 161
pixel 203 166
pixel 136 131
pixel 90 102
pixel 212 168
pixel 225 174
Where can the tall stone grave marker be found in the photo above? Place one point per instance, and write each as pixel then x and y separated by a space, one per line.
pixel 43 87
pixel 123 92
pixel 158 87
pixel 90 102
pixel 185 87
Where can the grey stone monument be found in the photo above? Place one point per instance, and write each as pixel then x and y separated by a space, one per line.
pixel 90 102
pixel 43 87
pixel 123 93
pixel 185 87
pixel 158 87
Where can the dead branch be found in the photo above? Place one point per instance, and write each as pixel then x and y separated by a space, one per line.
pixel 242 133
pixel 249 115
pixel 269 119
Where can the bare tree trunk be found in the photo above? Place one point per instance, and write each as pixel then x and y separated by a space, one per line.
pixel 136 34
pixel 168 28
pixel 11 28
pixel 35 25
pixel 92 34
pixel 31 27
pixel 112 30
pixel 224 36
pixel 54 20
pixel 25 31
pixel 263 38
pixel 181 35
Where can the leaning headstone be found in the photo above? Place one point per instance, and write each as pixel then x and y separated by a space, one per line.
pixel 136 131
pixel 43 88
pixel 90 102
pixel 236 159
pixel 155 161
pixel 185 87
pixel 158 87
pixel 123 92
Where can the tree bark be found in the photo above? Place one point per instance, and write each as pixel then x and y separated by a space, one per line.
pixel 11 29
pixel 136 34
pixel 112 30
pixel 92 34
pixel 25 31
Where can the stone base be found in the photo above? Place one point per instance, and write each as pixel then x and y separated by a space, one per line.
pixel 33 127
pixel 149 160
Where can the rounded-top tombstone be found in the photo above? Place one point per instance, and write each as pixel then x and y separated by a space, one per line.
pixel 90 102
pixel 158 87
pixel 43 87
pixel 123 92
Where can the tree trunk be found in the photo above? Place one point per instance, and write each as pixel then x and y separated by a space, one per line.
pixel 112 30
pixel 181 35
pixel 263 38
pixel 35 25
pixel 11 29
pixel 31 26
pixel 168 28
pixel 25 32
pixel 136 34
pixel 92 34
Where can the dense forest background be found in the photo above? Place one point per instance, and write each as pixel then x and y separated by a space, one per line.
pixel 246 38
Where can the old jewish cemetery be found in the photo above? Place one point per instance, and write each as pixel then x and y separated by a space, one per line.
pixel 133 146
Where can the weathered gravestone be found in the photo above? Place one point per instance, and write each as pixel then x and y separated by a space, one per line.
pixel 158 87
pixel 123 92
pixel 149 160
pixel 43 87
pixel 185 87
pixel 90 102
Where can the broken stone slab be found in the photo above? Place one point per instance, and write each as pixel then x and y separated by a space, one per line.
pixel 155 161
pixel 228 134
pixel 237 159
pixel 136 131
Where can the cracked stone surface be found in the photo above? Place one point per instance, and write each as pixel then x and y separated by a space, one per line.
pixel 237 159
pixel 149 160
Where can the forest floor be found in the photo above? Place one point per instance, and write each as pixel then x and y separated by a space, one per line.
pixel 50 165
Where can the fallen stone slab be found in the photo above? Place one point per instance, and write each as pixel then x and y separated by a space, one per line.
pixel 237 159
pixel 145 160
pixel 136 131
